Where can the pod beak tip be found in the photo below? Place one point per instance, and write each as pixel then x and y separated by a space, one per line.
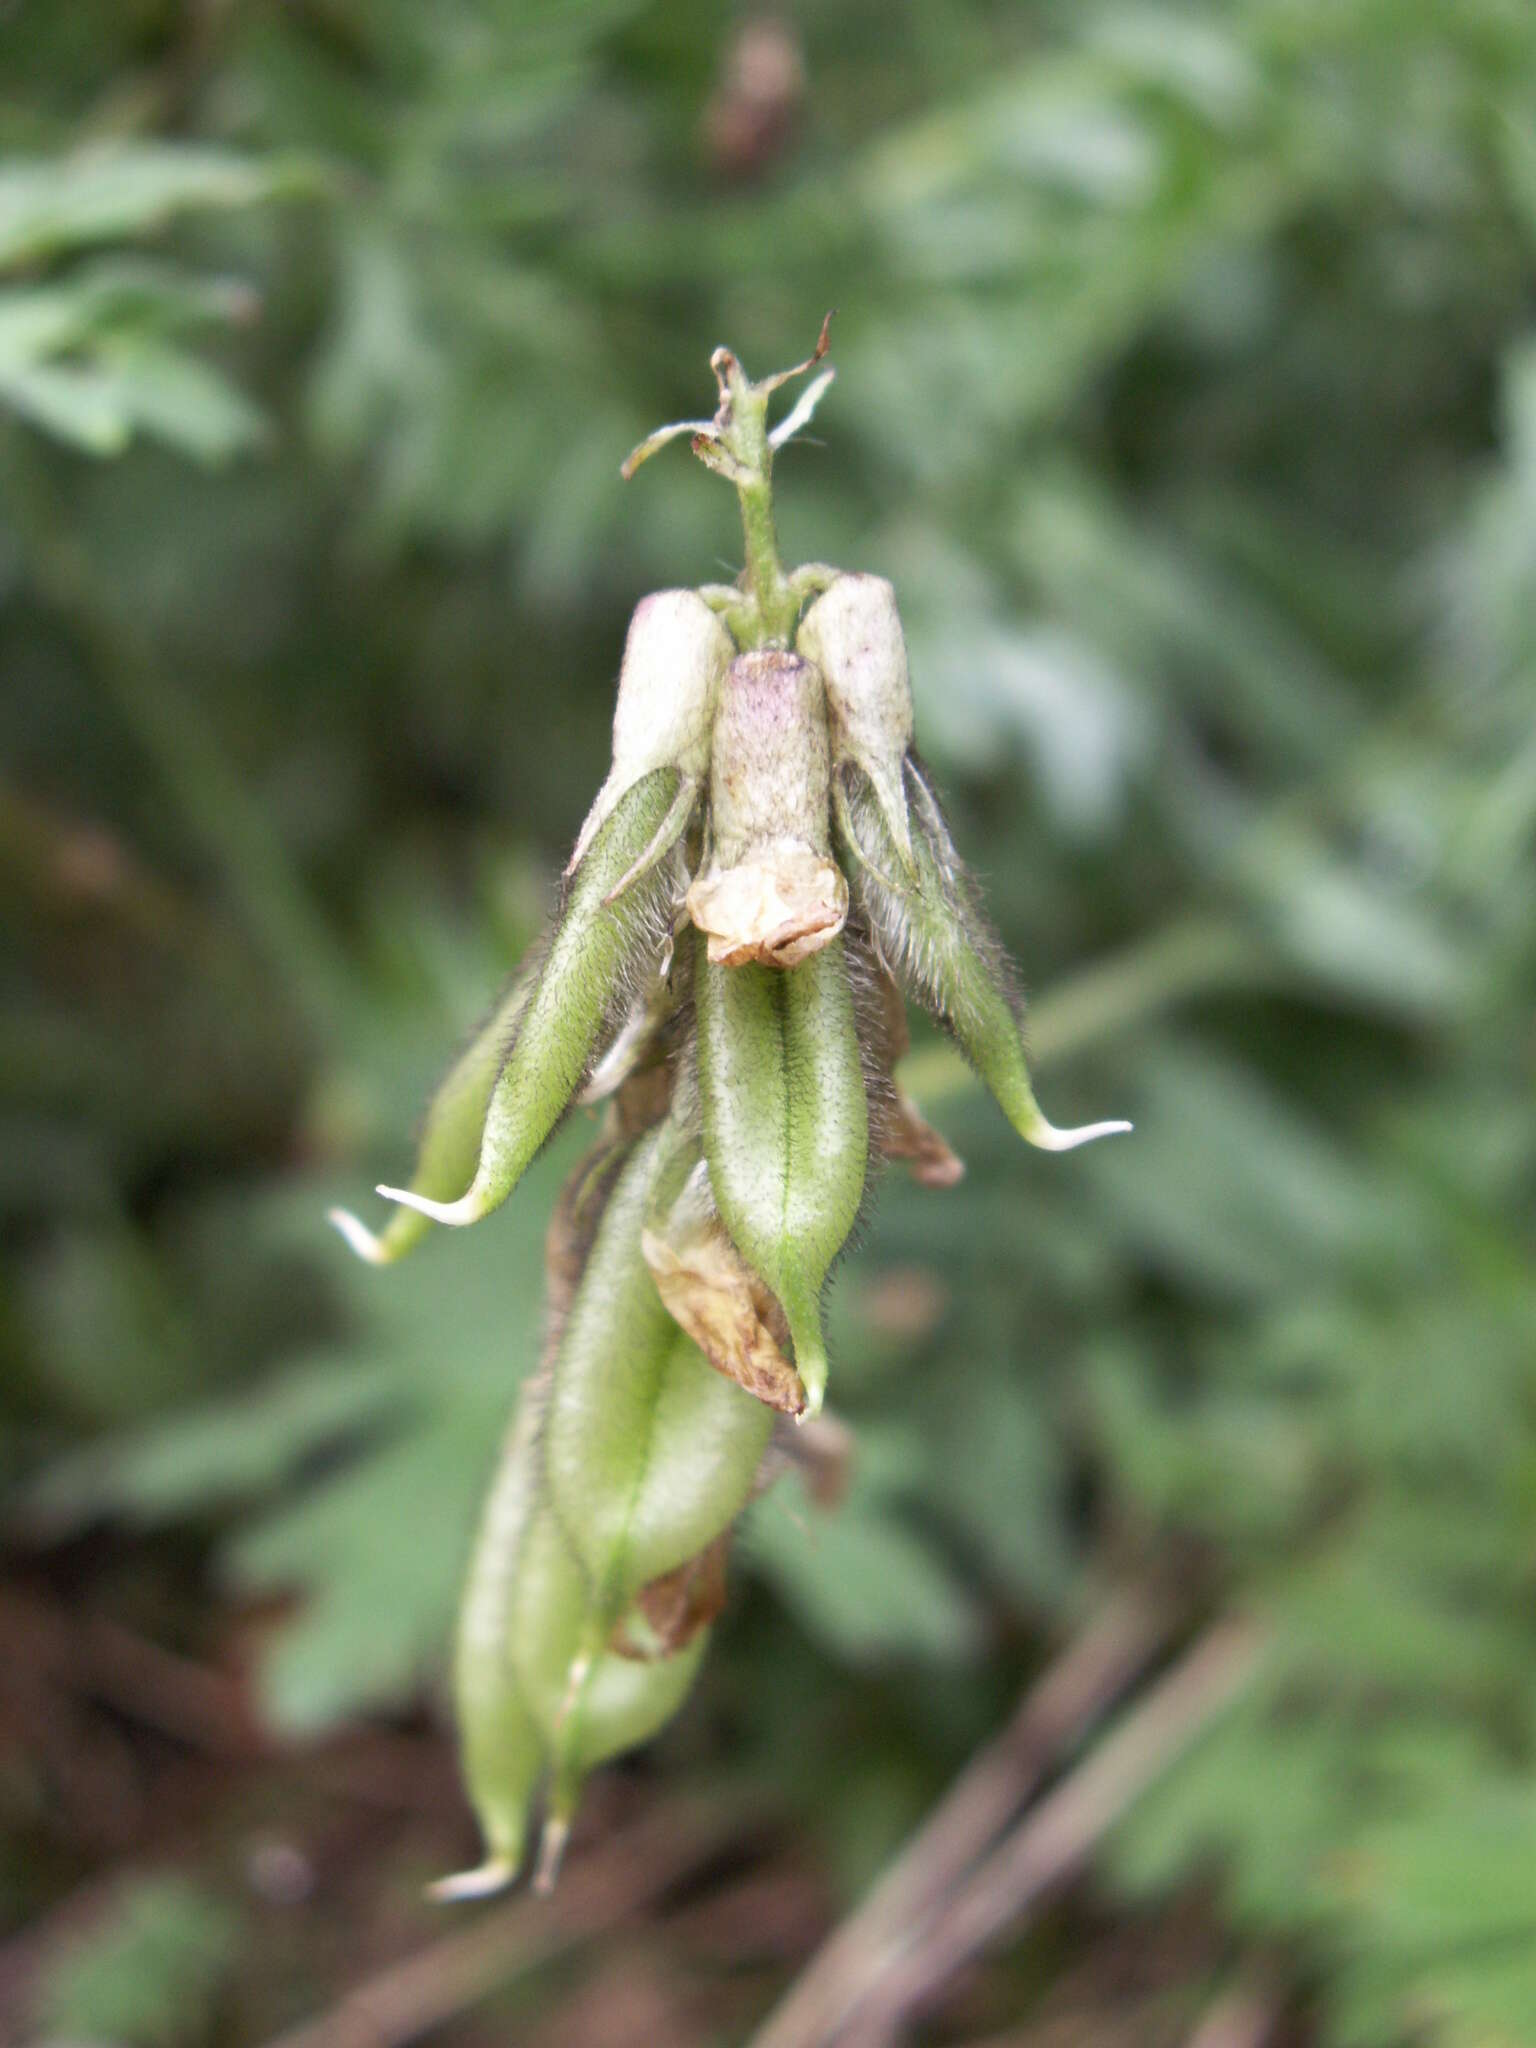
pixel 1050 1139
pixel 483 1882
pixel 557 1832
pixel 465 1210
pixel 358 1237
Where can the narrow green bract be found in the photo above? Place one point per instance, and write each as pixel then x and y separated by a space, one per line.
pixel 786 1127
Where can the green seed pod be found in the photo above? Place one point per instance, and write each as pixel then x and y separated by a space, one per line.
pixel 853 634
pixel 450 1135
pixel 601 939
pixel 937 937
pixel 502 1752
pixel 648 1454
pixel 786 1128
pixel 772 892
pixel 587 1702
pixel 628 1462
pixel 675 655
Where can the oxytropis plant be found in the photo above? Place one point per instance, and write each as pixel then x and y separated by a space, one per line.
pixel 764 871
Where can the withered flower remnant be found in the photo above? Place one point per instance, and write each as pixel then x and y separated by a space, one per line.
pixel 771 891
pixel 763 791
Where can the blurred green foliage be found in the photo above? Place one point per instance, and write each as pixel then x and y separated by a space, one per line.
pixel 1187 391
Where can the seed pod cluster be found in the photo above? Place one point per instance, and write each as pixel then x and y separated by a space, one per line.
pixel 764 863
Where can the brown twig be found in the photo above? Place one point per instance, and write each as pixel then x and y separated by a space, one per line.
pixel 1057 1711
pixel 452 1974
pixel 1055 1839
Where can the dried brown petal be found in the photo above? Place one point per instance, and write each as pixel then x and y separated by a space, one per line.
pixel 713 1295
pixel 908 1135
pixel 777 907
pixel 670 1611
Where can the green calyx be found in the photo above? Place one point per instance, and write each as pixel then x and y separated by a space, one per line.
pixel 762 790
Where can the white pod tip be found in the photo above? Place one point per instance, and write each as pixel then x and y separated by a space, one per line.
pixel 467 1209
pixel 1050 1139
pixel 367 1243
pixel 552 1843
pixel 483 1882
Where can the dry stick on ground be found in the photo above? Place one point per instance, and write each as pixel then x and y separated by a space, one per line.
pixel 1056 1711
pixel 1054 1840
pixel 606 1886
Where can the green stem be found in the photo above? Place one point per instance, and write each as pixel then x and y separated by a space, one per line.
pixel 776 605
pixel 749 465
pixel 762 607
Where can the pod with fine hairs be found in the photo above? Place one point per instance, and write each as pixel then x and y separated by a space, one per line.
pixel 648 1454
pixel 609 929
pixel 936 937
pixel 786 1128
pixel 449 1147
pixel 629 1461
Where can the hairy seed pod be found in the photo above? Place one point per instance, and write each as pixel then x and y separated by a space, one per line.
pixel 675 656
pixel 853 634
pixel 648 1454
pixel 501 1749
pixel 786 1128
pixel 449 1147
pixel 772 892
pixel 935 935
pixel 597 1567
pixel 598 948
pixel 503 1754
pixel 588 1702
